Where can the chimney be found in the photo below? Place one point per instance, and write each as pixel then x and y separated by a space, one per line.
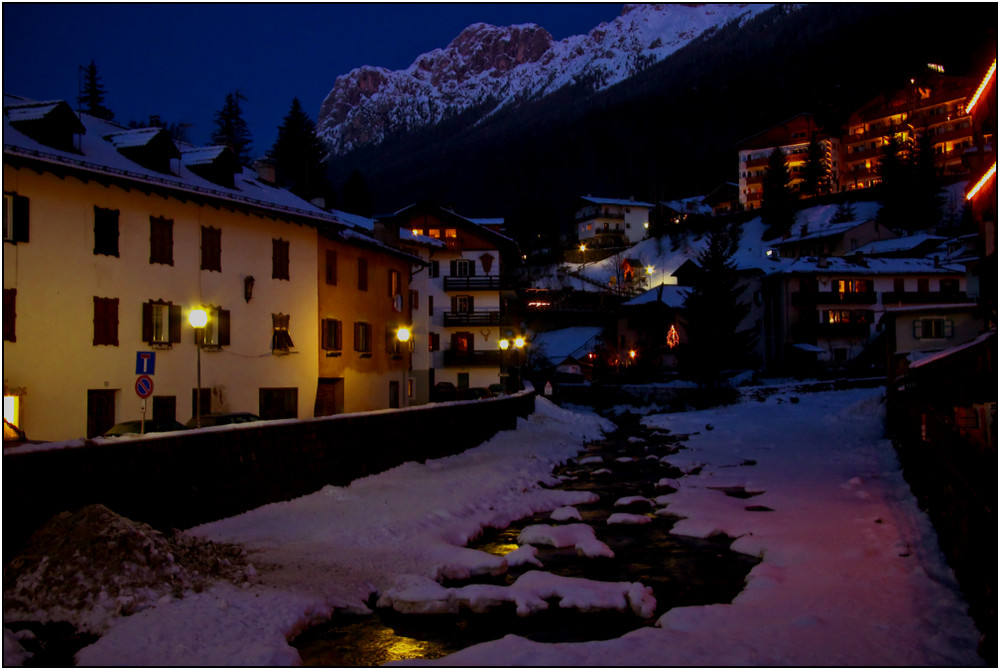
pixel 265 171
pixel 386 233
pixel 822 262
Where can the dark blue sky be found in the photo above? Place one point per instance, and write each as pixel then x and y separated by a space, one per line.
pixel 180 60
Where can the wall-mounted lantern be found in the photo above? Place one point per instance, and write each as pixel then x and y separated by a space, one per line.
pixel 248 288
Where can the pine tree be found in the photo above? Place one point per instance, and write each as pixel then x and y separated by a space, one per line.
pixel 298 155
pixel 714 314
pixel 814 173
pixel 894 169
pixel 844 213
pixel 926 201
pixel 777 200
pixel 357 198
pixel 91 98
pixel 231 129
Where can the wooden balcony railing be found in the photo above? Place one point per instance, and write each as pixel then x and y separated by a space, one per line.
pixel 483 318
pixel 474 283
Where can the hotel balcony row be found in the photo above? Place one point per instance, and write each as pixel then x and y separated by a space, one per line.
pixel 476 318
pixel 475 283
pixel 813 298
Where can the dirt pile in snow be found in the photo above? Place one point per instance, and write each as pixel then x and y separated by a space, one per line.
pixel 92 565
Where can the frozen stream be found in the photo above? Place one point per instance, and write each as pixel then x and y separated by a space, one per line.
pixel 631 486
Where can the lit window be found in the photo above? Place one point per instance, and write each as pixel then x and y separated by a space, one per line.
pixel 434 232
pixel 450 233
pixel 418 231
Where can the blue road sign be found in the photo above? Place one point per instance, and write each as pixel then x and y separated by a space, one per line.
pixel 145 362
pixel 144 386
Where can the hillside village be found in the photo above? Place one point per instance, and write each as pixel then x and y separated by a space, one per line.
pixel 121 233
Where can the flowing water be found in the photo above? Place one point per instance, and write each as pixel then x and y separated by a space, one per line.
pixel 680 571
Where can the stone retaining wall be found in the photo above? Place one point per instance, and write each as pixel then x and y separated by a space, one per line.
pixel 178 480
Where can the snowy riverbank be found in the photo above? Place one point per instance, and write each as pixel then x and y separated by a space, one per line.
pixel 850 572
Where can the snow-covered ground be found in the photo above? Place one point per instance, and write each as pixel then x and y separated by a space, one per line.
pixel 850 575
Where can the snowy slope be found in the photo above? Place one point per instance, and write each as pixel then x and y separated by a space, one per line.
pixel 494 67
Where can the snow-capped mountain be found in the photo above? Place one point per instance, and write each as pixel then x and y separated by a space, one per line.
pixel 488 67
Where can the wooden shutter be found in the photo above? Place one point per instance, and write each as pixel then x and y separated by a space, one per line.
pixel 918 329
pixel 21 217
pixel 10 314
pixel 453 268
pixel 147 321
pixel 175 323
pixel 331 267
pixel 222 327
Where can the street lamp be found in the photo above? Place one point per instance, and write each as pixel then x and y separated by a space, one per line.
pixel 198 318
pixel 403 335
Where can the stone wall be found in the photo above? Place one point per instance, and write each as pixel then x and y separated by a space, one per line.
pixel 178 480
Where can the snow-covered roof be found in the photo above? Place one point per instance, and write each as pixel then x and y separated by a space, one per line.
pixel 983 337
pixel 201 155
pixel 670 295
pixel 897 245
pixel 100 156
pixel 554 346
pixel 617 201
pixel 135 137
pixel 17 111
pixel 870 266
pixel 693 205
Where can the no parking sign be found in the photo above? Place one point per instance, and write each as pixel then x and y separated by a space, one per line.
pixel 144 386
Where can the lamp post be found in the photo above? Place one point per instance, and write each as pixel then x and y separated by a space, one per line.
pixel 403 335
pixel 518 346
pixel 198 318
pixel 504 367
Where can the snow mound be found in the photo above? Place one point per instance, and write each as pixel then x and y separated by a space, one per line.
pixel 578 535
pixel 91 566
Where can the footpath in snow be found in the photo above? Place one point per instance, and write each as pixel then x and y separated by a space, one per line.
pixel 850 575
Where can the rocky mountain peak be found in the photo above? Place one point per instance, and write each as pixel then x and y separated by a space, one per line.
pixel 488 67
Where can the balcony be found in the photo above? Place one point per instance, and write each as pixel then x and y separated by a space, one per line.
pixel 455 358
pixel 850 330
pixel 480 283
pixel 492 318
pixel 812 298
pixel 922 297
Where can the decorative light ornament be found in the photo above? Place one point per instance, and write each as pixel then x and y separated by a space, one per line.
pixel 673 339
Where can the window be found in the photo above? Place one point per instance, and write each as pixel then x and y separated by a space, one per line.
pixel 161 322
pixel 363 337
pixel 463 268
pixel 414 300
pixel 281 341
pixel 451 233
pixel 15 218
pixel 331 267
pixel 9 314
pixel 278 403
pixel 279 259
pixel 161 240
pixel 332 336
pixel 216 331
pixel 837 316
pixel 933 329
pixel 923 285
pixel 106 321
pixel 430 305
pixel 434 270
pixel 393 395
pixel 950 286
pixel 435 233
pixel 211 249
pixel 463 304
pixel 433 341
pixel 898 285
pixel 394 285
pixel 105 231
pixel 852 285
pixel 362 274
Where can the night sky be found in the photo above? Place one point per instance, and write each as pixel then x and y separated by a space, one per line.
pixel 178 61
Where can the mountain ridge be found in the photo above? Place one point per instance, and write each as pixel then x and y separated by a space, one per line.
pixel 490 68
